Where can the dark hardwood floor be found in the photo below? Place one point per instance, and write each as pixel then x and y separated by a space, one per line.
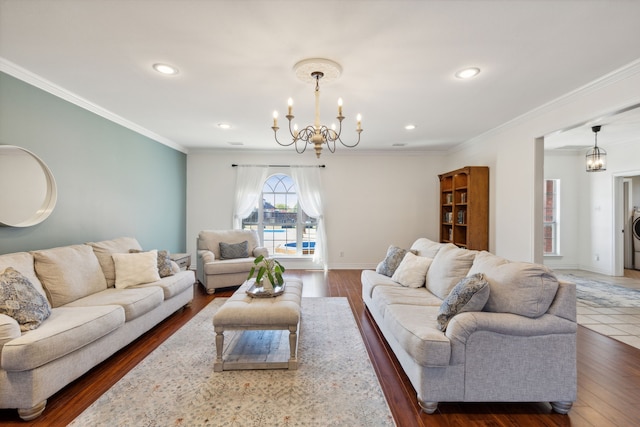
pixel 608 374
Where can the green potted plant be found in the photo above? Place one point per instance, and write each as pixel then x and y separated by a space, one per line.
pixel 270 269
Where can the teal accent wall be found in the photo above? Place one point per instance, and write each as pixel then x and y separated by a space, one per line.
pixel 112 181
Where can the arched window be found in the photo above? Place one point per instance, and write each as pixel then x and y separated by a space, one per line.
pixel 283 227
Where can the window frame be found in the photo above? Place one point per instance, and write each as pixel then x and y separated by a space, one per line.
pixel 551 217
pixel 300 224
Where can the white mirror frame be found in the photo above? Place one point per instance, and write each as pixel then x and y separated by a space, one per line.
pixel 48 202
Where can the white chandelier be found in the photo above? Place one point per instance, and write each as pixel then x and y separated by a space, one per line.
pixel 317 135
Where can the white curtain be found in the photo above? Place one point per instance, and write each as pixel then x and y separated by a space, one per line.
pixel 249 182
pixel 309 188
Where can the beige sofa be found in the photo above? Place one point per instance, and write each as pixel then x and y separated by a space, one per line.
pixel 90 318
pixel 214 269
pixel 518 346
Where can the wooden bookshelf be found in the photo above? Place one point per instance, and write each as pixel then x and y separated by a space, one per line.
pixel 464 207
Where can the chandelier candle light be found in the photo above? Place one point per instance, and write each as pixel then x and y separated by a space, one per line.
pixel 317 135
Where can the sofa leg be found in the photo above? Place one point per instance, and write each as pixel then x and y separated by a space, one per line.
pixel 211 291
pixel 29 414
pixel 428 407
pixel 561 407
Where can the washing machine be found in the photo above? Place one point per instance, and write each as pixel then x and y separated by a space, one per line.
pixel 636 239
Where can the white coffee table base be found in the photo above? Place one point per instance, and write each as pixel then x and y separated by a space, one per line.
pixel 260 346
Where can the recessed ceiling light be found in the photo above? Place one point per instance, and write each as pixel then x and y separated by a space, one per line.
pixel 398 144
pixel 410 127
pixel 235 143
pixel 224 125
pixel 168 70
pixel 468 73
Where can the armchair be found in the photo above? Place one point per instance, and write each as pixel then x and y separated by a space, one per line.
pixel 215 268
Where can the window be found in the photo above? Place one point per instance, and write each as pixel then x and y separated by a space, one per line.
pixel 283 227
pixel 551 217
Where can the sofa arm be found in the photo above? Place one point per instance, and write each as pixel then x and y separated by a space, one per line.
pixel 463 325
pixel 260 250
pixel 206 256
pixel 9 329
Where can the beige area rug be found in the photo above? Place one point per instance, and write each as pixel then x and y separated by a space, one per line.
pixel 334 385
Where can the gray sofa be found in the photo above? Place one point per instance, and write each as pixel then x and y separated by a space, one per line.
pixel 92 316
pixel 519 346
pixel 214 270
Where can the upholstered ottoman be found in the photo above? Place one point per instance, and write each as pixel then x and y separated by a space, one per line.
pixel 243 312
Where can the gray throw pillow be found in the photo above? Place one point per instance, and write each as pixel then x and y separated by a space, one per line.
pixel 470 294
pixel 234 250
pixel 164 262
pixel 21 300
pixel 391 262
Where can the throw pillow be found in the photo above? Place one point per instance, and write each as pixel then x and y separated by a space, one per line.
pixel 136 269
pixel 522 288
pixel 390 263
pixel 450 264
pixel 164 262
pixel 234 250
pixel 412 270
pixel 69 273
pixel 22 301
pixel 470 294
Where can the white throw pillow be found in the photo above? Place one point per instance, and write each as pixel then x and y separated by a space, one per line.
pixel 412 270
pixel 136 269
pixel 450 265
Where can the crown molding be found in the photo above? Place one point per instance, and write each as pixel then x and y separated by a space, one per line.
pixel 613 77
pixel 33 79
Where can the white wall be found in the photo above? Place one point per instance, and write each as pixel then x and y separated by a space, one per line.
pixel 372 200
pixel 517 164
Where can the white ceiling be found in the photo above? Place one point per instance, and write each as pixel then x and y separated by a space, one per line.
pixel 398 58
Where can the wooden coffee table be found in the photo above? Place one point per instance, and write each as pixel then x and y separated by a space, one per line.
pixel 245 313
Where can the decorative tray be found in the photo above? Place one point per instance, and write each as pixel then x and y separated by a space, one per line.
pixel 257 291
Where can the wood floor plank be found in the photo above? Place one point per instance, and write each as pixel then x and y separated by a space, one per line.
pixel 608 373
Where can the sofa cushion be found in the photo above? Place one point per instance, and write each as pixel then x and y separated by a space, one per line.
pixel 520 288
pixel 425 247
pixel 135 301
pixel 234 250
pixel 164 262
pixel 69 273
pixel 415 328
pixel 66 330
pixel 371 280
pixel 412 270
pixel 21 300
pixel 385 296
pixel 136 268
pixel 173 285
pixel 470 294
pixel 230 266
pixel 391 261
pixel 210 239
pixel 24 263
pixel 106 248
pixel 450 264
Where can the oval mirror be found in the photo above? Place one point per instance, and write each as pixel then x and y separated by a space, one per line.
pixel 27 187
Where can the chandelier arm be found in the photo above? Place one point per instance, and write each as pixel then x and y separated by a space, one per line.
pixel 351 146
pixel 275 135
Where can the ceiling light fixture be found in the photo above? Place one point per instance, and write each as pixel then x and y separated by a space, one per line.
pixel 596 157
pixel 312 70
pixel 165 69
pixel 410 127
pixel 468 73
pixel 224 126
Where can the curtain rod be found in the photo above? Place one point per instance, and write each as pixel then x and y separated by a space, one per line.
pixel 282 166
